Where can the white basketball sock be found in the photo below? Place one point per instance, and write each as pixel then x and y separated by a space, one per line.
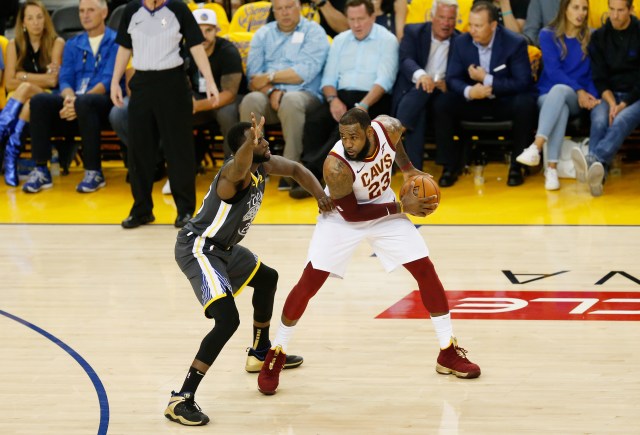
pixel 283 336
pixel 444 329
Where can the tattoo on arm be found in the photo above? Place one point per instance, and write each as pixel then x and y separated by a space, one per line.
pixel 393 126
pixel 231 82
pixel 338 177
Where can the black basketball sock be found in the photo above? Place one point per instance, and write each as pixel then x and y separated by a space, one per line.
pixel 260 337
pixel 192 381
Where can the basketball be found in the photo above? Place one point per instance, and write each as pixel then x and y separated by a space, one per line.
pixel 425 186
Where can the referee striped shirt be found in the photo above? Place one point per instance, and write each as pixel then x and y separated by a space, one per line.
pixel 155 35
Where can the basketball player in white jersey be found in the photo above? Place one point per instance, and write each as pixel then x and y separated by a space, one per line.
pixel 358 176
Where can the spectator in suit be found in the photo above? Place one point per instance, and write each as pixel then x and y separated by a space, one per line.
pixel 33 61
pixel 565 86
pixel 488 78
pixel 284 69
pixel 360 71
pixel 539 14
pixel 83 103
pixel 424 52
pixel 614 50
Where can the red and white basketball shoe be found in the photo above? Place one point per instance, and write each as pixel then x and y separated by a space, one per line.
pixel 453 360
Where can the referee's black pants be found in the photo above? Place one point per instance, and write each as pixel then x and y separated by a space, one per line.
pixel 160 108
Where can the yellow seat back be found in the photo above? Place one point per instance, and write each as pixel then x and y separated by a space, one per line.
pixel 3 91
pixel 250 17
pixel 221 15
pixel 242 41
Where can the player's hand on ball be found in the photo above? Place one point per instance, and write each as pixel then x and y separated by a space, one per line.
pixel 415 206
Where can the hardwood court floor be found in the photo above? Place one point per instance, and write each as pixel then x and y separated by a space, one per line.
pixel 98 319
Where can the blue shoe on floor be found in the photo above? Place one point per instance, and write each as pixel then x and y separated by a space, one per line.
pixel 92 181
pixel 39 178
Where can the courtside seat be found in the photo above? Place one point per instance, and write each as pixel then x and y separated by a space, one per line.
pixel 250 17
pixel 3 91
pixel 66 21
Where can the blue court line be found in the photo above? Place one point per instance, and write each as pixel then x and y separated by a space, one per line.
pixel 97 384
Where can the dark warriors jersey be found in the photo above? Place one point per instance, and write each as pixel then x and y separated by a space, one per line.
pixel 226 223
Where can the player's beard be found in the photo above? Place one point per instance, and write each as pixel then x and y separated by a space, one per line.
pixel 362 154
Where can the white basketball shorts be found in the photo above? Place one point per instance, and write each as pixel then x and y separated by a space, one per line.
pixel 394 239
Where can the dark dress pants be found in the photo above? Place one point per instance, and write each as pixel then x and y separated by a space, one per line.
pixel 92 115
pixel 160 109
pixel 451 108
pixel 413 109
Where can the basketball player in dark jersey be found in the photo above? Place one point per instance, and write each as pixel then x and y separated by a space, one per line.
pixel 208 253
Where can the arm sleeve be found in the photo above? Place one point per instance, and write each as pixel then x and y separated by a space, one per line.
pixel 256 58
pixel 456 68
pixel 388 67
pixel 124 37
pixel 598 64
pixel 519 78
pixel 407 54
pixel 330 73
pixel 351 211
pixel 66 77
pixel 313 54
pixel 108 64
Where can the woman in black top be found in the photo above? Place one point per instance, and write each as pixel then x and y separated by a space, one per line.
pixel 160 105
pixel 32 64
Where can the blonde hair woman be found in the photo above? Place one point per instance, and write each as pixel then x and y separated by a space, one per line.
pixel 33 60
pixel 566 86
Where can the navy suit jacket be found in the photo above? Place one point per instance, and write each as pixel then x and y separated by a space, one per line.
pixel 509 64
pixel 414 55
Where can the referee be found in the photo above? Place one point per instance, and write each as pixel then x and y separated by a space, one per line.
pixel 160 105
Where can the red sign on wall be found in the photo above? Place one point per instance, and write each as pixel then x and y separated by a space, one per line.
pixel 525 305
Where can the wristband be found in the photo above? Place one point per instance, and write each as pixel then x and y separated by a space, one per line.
pixel 505 13
pixel 330 98
pixel 270 91
pixel 365 106
pixel 272 76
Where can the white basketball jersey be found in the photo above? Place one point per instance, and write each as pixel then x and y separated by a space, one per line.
pixel 372 177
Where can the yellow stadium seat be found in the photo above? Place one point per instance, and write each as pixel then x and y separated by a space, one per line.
pixel 242 41
pixel 3 91
pixel 250 17
pixel 419 11
pixel 310 13
pixel 221 15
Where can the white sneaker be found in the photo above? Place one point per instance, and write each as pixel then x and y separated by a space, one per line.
pixel 530 156
pixel 580 163
pixel 166 189
pixel 551 181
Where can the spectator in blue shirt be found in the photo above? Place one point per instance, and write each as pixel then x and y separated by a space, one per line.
pixel 284 68
pixel 83 104
pixel 360 72
pixel 565 86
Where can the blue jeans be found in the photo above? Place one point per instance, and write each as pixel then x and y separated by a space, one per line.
pixel 555 108
pixel 605 140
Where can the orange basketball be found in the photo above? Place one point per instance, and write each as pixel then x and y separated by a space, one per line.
pixel 425 186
